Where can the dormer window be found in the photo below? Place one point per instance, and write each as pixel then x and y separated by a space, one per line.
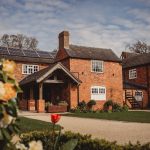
pixel 132 74
pixel 97 66
pixel 29 69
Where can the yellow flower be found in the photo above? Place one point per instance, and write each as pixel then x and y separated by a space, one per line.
pixel 10 91
pixel 20 146
pixel 6 120
pixel 2 90
pixel 33 145
pixel 9 68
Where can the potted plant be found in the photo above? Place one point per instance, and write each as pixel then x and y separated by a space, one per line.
pixel 47 105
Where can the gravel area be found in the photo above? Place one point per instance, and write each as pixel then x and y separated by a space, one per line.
pixel 119 131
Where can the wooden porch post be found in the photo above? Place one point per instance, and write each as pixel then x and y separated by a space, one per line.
pixel 41 101
pixel 31 101
pixel 40 90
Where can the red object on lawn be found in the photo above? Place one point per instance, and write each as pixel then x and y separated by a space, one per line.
pixel 55 118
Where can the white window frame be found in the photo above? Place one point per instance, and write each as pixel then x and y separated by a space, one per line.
pixel 132 74
pixel 138 95
pixel 29 68
pixel 98 93
pixel 95 63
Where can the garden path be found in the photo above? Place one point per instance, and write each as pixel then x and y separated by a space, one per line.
pixel 119 131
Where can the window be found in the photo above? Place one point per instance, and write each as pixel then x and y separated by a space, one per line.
pixel 138 95
pixel 98 93
pixel 29 69
pixel 132 74
pixel 97 66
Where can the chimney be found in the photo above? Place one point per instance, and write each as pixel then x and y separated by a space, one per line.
pixel 63 40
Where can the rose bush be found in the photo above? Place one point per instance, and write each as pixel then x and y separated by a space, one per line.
pixel 9 89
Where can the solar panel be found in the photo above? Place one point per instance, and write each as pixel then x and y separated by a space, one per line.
pixel 30 53
pixel 27 53
pixel 17 52
pixel 44 54
pixel 3 51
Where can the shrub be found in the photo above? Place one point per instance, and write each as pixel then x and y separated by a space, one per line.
pixel 84 142
pixel 116 107
pixel 91 103
pixel 108 103
pixel 82 105
pixel 125 108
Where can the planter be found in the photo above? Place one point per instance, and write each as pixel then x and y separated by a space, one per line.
pixel 56 108
pixel 23 104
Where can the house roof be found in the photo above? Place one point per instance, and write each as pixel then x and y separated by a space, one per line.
pixel 130 85
pixel 27 55
pixel 125 55
pixel 42 74
pixel 83 52
pixel 141 59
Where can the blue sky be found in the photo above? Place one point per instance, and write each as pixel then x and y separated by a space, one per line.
pixel 97 23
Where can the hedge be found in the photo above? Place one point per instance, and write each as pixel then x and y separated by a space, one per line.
pixel 85 142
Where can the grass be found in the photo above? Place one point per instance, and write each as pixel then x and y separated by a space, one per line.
pixel 27 124
pixel 130 116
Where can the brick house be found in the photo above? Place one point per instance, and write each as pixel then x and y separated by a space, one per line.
pixel 136 78
pixel 73 74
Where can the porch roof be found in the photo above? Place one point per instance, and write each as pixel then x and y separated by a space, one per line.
pixel 44 73
pixel 129 85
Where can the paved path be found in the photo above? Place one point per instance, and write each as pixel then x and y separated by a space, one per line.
pixel 119 131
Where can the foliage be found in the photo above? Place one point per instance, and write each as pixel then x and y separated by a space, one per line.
pixel 108 103
pixel 19 41
pixel 8 107
pixel 63 103
pixel 85 142
pixel 125 108
pixel 117 107
pixel 91 103
pixel 82 105
pixel 139 47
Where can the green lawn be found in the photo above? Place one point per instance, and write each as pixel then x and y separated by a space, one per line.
pixel 130 116
pixel 27 124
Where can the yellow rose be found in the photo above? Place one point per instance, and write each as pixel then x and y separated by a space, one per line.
pixel 33 145
pixel 10 91
pixel 9 68
pixel 2 90
pixel 6 120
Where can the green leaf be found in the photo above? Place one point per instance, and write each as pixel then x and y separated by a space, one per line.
pixel 5 77
pixel 16 128
pixel 6 134
pixel 57 139
pixel 70 145
pixel 1 135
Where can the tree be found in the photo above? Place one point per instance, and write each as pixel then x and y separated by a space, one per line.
pixel 19 41
pixel 139 47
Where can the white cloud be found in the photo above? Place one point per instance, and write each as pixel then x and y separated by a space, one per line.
pixel 91 23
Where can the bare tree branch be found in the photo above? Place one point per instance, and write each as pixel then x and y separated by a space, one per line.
pixel 19 41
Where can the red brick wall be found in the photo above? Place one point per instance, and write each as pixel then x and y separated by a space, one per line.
pixel 111 79
pixel 61 54
pixel 141 75
pixel 18 73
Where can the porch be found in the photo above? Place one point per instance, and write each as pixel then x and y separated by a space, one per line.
pixel 49 89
